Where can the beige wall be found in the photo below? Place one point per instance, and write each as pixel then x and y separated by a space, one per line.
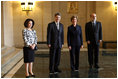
pixel 44 11
pixel 7 21
pixel 41 14
pixel 108 16
pixel 2 28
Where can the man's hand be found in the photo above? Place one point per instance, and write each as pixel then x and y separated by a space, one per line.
pixel 88 42
pixel 99 41
pixel 62 46
pixel 81 46
pixel 69 47
pixel 49 45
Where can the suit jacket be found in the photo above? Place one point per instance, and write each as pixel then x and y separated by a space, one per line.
pixel 74 36
pixel 55 37
pixel 93 34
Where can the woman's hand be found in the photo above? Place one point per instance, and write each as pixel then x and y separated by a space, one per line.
pixel 32 46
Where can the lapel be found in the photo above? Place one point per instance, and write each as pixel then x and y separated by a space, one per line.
pixel 91 25
pixel 95 29
pixel 73 29
pixel 59 27
pixel 77 29
pixel 96 26
pixel 54 27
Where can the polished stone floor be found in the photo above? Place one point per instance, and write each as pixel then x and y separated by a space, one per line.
pixel 107 63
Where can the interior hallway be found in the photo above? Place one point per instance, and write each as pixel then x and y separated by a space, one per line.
pixel 12 20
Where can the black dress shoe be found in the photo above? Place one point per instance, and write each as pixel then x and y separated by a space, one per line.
pixel 51 72
pixel 90 66
pixel 76 70
pixel 96 66
pixel 72 70
pixel 32 75
pixel 27 76
pixel 58 71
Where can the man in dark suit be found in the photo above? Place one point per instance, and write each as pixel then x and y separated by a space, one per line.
pixel 93 31
pixel 55 41
pixel 75 42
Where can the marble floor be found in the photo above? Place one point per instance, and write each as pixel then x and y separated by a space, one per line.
pixel 107 63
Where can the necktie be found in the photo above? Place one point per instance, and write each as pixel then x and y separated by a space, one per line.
pixel 93 24
pixel 57 25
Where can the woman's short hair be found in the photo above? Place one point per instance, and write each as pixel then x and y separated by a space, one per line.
pixel 74 17
pixel 27 21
